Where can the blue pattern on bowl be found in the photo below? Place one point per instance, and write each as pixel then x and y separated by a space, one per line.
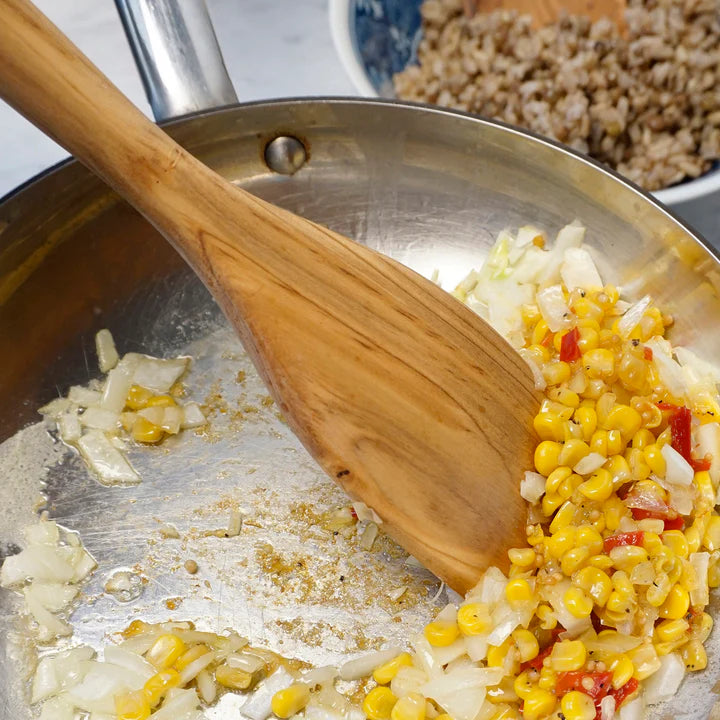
pixel 386 36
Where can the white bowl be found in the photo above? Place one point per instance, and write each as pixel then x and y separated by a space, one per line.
pixel 343 17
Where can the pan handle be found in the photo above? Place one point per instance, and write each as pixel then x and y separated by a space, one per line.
pixel 177 54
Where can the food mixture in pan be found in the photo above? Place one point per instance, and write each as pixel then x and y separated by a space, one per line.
pixel 646 103
pixel 602 613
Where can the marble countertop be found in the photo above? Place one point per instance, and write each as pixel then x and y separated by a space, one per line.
pixel 272 48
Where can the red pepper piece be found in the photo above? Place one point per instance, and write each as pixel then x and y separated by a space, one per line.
pixel 676 523
pixel 647 353
pixel 699 465
pixel 680 431
pixel 623 693
pixel 569 349
pixel 667 406
pixel 547 340
pixel 629 538
pixel 567 681
pixel 537 662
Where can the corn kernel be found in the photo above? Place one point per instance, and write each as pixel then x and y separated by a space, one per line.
pixel 132 706
pixel 563 517
pixel 599 487
pixel 518 591
pixel 625 419
pixel 526 644
pixel 577 705
pixel 556 478
pixel 652 542
pixel 568 655
pixel 645 660
pixel 378 703
pixel 602 562
pixel 671 630
pixel 547 455
pixel 522 557
pixel 589 337
pixel 386 672
pixel 588 537
pixel 626 557
pixel 579 605
pixel 535 535
pixel 598 442
pixel 657 592
pixel 234 678
pixel 165 651
pixel 549 426
pixel 564 396
pixel 703 627
pixel 496 653
pixel 538 704
pixel 561 541
pixel 523 686
pixel 622 670
pixel 676 604
pixel 548 679
pixel 621 582
pixel 655 460
pixel 705 487
pixel 556 372
pixel 711 539
pixel 161 401
pixel 574 559
pixel 550 503
pixel 643 437
pixel 190 656
pixel 569 486
pixel 146 432
pixel 137 397
pixel 599 363
pixel 539 332
pixel 441 633
pixel 615 442
pixel 614 510
pixel 694 538
pixel 586 417
pixel 156 686
pixel 595 583
pixel 289 702
pixel 547 617
pixel 473 618
pixel 694 656
pixel 675 540
pixel 573 452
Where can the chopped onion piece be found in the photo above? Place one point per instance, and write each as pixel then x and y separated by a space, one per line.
pixel 476 647
pixel 50 625
pixel 172 419
pixel 670 372
pixel 129 660
pixel 45 682
pixel 368 536
pixel 365 512
pixel 96 692
pixel 699 595
pixel 53 596
pixel 665 681
pixel 107 461
pixel 37 562
pixel 364 665
pixel 707 442
pixel 106 352
pixel 532 486
pixel 607 708
pixel 100 419
pixel 408 680
pixel 629 321
pixel 554 309
pixel 206 687
pixel 590 463
pixel 58 708
pixel 45 532
pixel 56 407
pixel 579 271
pixel 192 416
pixel 117 387
pixel 679 471
pixel 257 706
pixel 84 397
pixel 159 375
pixel 154 415
pixel 188 673
pixel 69 427
pixel 324 675
pixel 538 377
pixel 177 705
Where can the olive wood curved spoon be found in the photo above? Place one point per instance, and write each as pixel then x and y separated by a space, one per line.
pixel 401 393
pixel 544 12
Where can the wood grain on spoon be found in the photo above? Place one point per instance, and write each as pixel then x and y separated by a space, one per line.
pixel 406 397
pixel 545 12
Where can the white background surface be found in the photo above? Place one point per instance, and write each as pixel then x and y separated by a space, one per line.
pixel 272 48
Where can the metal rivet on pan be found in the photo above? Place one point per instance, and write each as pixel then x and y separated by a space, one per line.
pixel 285 155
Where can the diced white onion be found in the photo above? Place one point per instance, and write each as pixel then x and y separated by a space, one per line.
pixel 159 375
pixel 364 512
pixel 172 419
pixel 477 647
pixel 664 683
pixel 679 471
pixel 579 271
pixel 364 665
pixel 117 387
pixel 324 675
pixel 154 414
pixel 69 427
pixel 177 705
pixel 45 682
pixel 51 626
pixel 107 461
pixel 58 708
pixel 699 595
pixel 538 377
pixel 629 321
pixel 53 596
pixel 37 562
pixel 106 352
pixel 192 416
pixel 99 419
pixel 129 660
pixel 188 673
pixel 257 706
pixel 554 309
pixel 96 692
pixel 607 708
pixel 532 486
pixel 670 372
pixel 369 534
pixel 590 463
pixel 207 687
pixel 84 397
pixel 408 680
pixel 707 442
pixel 56 407
pixel 571 235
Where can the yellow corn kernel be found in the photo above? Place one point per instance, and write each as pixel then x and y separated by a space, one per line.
pixel 441 633
pixel 496 653
pixel 565 396
pixel 620 604
pixel 445 716
pixel 546 616
pixel 586 418
pixel 135 628
pixel 146 432
pixel 538 704
pixel 588 537
pixel 137 397
pixel 639 469
pixel 556 372
pixel 599 487
pixel 563 517
pixel 622 670
pixel 547 455
pixel 233 678
pixel 156 686
pixel 711 539
pixel 598 442
pixel 539 353
pixel 518 591
pixel 574 559
pixel 676 604
pixel 548 679
pixel 523 686
pixel 643 437
pixel 602 562
pixel 577 705
pixel 556 478
pixel 535 535
pixel 539 332
pixel 569 486
pixel 385 673
pixel 579 605
pixel 651 542
pixel 289 702
pixel 675 540
pixel 550 503
pixel 657 592
pixel 625 419
pixel 595 583
pixel 585 308
pixel 561 541
pixel 589 337
pixel 645 660
pixel 161 401
pixel 621 582
pixel 599 363
pixel 522 557
pixel 671 630
pixel 626 557
pixel 473 619
pixel 378 703
pixel 614 510
pixel 694 538
pixel 655 460
pixel 573 452
pixel 132 706
pixel 568 655
pixel 549 426
pixel 694 656
pixel 526 644
pixel 619 469
pixel 665 648
pixel 165 651
pixel 615 442
pixel 705 487
pixel 190 656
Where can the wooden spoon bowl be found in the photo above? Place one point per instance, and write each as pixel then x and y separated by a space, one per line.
pixel 544 12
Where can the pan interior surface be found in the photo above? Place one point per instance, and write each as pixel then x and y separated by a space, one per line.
pixel 428 187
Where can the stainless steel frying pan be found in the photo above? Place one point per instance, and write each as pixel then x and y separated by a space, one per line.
pixel 429 187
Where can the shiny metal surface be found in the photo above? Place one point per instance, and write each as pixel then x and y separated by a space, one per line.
pixel 428 187
pixel 285 155
pixel 177 54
